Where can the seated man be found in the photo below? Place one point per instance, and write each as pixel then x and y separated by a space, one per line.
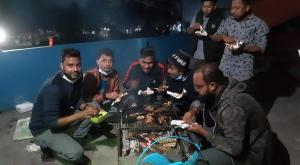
pixel 146 72
pixel 101 84
pixel 241 133
pixel 53 114
pixel 180 77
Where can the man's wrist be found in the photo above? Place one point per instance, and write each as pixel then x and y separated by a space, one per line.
pixel 210 137
pixel 193 110
pixel 83 106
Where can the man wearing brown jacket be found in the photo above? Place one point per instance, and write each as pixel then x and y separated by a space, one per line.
pixel 101 84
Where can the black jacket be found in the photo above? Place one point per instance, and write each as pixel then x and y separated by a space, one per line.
pixel 152 79
pixel 213 51
pixel 177 86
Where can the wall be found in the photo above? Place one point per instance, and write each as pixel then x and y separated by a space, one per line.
pixel 23 71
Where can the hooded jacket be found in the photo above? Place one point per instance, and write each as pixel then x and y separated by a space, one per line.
pixel 241 127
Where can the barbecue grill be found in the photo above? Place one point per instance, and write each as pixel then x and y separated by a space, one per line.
pixel 131 107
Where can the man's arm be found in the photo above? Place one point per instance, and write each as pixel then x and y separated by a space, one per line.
pixel 90 89
pixel 259 43
pixel 195 107
pixel 220 35
pixel 233 122
pixel 86 113
pixel 193 27
pixel 130 79
pixel 114 88
pixel 52 98
pixel 253 49
pixel 216 37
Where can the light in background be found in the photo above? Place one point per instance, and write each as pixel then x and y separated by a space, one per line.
pixel 3 35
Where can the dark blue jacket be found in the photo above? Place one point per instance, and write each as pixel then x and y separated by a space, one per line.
pixel 57 98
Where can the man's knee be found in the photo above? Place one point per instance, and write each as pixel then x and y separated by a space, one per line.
pixel 74 154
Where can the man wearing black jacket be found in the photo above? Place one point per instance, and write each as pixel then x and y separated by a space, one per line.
pixel 54 113
pixel 204 48
pixel 180 78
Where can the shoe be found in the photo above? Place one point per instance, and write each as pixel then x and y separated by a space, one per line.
pixel 83 161
pixel 125 152
pixel 89 147
pixel 47 155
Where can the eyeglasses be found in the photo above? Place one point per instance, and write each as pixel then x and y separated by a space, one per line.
pixel 199 86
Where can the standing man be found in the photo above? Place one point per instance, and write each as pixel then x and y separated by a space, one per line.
pixel 204 48
pixel 242 26
pixel 241 133
pixel 53 114
pixel 146 72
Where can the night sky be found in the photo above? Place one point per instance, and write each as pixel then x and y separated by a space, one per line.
pixel 24 15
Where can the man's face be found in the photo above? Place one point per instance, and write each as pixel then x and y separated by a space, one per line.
pixel 239 9
pixel 71 67
pixel 200 86
pixel 147 63
pixel 173 71
pixel 105 62
pixel 207 8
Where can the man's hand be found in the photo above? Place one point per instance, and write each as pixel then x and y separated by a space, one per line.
pixel 195 26
pixel 161 89
pixel 88 112
pixel 112 95
pixel 133 84
pixel 188 116
pixel 196 128
pixel 228 39
pixel 98 98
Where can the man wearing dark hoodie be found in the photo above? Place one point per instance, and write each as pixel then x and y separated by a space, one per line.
pixel 241 132
pixel 180 78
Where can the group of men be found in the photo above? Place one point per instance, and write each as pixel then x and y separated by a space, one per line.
pixel 215 105
pixel 242 26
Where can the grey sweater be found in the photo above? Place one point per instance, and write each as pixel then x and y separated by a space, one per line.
pixel 242 129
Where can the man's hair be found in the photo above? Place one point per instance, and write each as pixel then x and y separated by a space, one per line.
pixel 106 52
pixel 147 52
pixel 213 1
pixel 70 52
pixel 248 2
pixel 211 73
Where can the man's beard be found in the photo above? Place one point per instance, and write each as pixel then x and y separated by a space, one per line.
pixel 208 98
pixel 73 76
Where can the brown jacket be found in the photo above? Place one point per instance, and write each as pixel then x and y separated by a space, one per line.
pixel 91 81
